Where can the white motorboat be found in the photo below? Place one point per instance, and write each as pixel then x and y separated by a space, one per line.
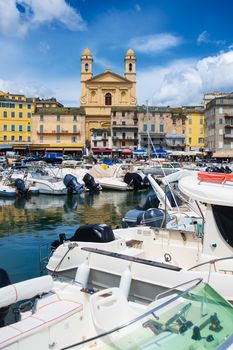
pixel 70 316
pixel 156 256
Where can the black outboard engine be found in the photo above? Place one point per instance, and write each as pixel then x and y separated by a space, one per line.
pixel 72 184
pixel 98 233
pixel 21 188
pixel 152 217
pixel 152 201
pixel 135 180
pixel 173 199
pixel 4 281
pixel 90 183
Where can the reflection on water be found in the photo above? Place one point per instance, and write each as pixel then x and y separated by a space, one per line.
pixel 27 223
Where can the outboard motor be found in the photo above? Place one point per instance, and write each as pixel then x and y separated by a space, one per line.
pixel 90 183
pixel 173 199
pixel 152 201
pixel 21 188
pixel 4 281
pixel 152 217
pixel 72 184
pixel 135 180
pixel 98 233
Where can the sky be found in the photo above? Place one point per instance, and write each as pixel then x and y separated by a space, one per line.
pixel 183 48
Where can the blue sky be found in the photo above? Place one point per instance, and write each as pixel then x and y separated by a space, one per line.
pixel 183 48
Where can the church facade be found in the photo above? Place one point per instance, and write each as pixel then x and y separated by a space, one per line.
pixel 105 91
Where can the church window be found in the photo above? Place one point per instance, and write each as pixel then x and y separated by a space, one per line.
pixel 86 67
pixel 108 99
pixel 130 67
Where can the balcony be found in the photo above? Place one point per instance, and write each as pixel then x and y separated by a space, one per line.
pixel 56 132
pixel 228 126
pixel 129 126
pixel 228 136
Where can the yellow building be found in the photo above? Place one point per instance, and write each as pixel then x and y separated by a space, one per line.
pixel 102 92
pixel 58 130
pixel 194 127
pixel 15 120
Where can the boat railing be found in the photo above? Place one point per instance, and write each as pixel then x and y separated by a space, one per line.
pixel 213 262
pixel 152 312
pixel 162 294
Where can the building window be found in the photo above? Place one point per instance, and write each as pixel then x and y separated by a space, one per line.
pixel 104 143
pixel 29 128
pixel 41 128
pixel 152 128
pixel 114 114
pixel 145 127
pixel 58 118
pixel 200 140
pixel 29 106
pixel 20 128
pixel 123 135
pixel 123 123
pixel 12 114
pixel 12 105
pixel 95 143
pixel 190 139
pixel 20 138
pixel 13 127
pixel 41 138
pixel 58 138
pixel 161 128
pixel 114 133
pixel 74 118
pixel 29 138
pixel 12 138
pixel 123 114
pixel 5 114
pixel 130 67
pixel 190 120
pixel 29 115
pixel 135 135
pixel 73 139
pixel 20 105
pixel 86 67
pixel 5 127
pixel 220 121
pixel 108 99
pixel 201 121
pixel 58 128
pixel 4 138
pixel 190 131
pixel 41 118
pixel 123 143
pixel 74 128
pixel 114 123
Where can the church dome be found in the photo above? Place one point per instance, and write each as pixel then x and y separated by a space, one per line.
pixel 130 52
pixel 86 52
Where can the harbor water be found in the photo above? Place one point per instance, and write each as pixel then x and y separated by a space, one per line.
pixel 28 224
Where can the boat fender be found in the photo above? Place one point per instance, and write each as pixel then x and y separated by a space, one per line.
pixel 82 275
pixel 125 282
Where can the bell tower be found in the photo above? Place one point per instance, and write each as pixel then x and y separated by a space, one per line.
pixel 130 66
pixel 86 72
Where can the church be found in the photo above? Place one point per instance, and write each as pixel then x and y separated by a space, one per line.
pixel 105 91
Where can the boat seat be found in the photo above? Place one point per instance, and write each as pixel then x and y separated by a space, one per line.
pixel 46 315
pixel 109 309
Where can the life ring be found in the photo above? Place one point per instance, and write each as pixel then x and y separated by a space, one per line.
pixel 167 257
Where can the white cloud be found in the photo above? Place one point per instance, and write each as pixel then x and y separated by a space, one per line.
pixel 204 38
pixel 184 81
pixel 155 43
pixel 19 16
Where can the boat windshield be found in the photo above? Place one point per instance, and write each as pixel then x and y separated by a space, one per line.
pixel 197 319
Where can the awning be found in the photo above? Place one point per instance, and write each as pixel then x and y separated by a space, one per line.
pixel 5 147
pixel 127 151
pixel 101 150
pixel 223 155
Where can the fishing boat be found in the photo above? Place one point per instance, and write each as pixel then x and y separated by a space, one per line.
pixel 158 256
pixel 65 315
